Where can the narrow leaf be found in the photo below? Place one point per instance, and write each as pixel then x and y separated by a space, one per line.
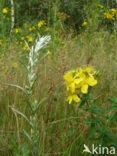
pixel 43 57
pixel 21 88
pixel 24 116
pixel 27 135
pixel 21 63
pixel 27 45
pixel 40 103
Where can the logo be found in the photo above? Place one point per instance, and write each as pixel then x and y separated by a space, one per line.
pixel 99 150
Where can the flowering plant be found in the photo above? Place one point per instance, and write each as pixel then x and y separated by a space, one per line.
pixel 78 81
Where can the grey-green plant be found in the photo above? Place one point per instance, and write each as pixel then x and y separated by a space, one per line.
pixel 34 58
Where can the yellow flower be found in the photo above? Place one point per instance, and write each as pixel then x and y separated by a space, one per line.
pixel 0 42
pixel 88 70
pixel 30 39
pixel 84 89
pixel 77 82
pixel 14 64
pixel 63 42
pixel 84 23
pixel 48 52
pixel 113 11
pixel 17 30
pixel 40 24
pixel 22 38
pixel 5 10
pixel 73 97
pixel 31 28
pixel 100 6
pixel 89 81
pixel 110 14
pixel 25 47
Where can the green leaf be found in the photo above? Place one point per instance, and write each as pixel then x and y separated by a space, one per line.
pixel 114 117
pixel 113 100
pixel 27 135
pixel 24 116
pixel 28 100
pixel 42 58
pixel 21 63
pixel 111 109
pixel 40 103
pixel 92 131
pixel 13 85
pixel 82 102
pixel 29 104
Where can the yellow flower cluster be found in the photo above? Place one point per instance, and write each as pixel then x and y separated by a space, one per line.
pixel 63 16
pixel 84 23
pixel 31 28
pixel 30 39
pixel 40 24
pixel 37 26
pixel 5 10
pixel 25 47
pixel 0 42
pixel 17 30
pixel 78 81
pixel 22 38
pixel 100 6
pixel 111 14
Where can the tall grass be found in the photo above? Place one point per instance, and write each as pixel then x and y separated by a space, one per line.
pixel 61 126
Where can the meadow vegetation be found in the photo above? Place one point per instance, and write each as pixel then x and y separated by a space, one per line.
pixel 35 115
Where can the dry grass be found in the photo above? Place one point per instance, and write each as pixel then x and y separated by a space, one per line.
pixel 58 121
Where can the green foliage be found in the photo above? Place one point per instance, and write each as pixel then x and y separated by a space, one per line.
pixel 113 101
pixel 75 10
pixel 99 122
pixel 22 150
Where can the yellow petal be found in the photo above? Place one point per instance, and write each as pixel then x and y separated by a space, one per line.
pixel 68 77
pixel 73 97
pixel 84 89
pixel 69 99
pixel 77 81
pixel 88 69
pixel 76 98
pixel 91 81
pixel 72 87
